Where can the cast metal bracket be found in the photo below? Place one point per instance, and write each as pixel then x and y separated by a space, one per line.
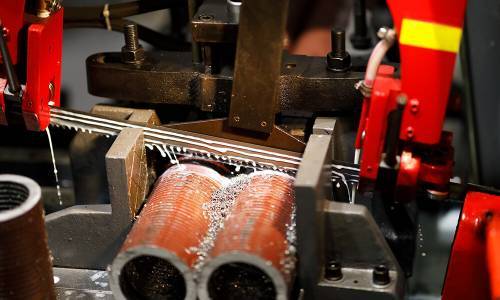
pixel 346 233
pixel 89 236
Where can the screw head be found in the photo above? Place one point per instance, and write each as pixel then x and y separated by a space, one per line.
pixel 236 119
pixel 414 105
pixel 205 17
pixel 381 275
pixel 263 124
pixel 410 133
pixel 402 99
pixel 333 271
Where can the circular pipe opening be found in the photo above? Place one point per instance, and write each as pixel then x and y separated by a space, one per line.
pixel 240 281
pixel 12 195
pixel 151 277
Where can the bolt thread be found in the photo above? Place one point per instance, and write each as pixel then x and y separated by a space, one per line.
pixel 131 37
pixel 338 42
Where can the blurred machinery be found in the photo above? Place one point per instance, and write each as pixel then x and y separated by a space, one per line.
pixel 229 167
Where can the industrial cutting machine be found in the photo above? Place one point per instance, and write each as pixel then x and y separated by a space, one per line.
pixel 254 149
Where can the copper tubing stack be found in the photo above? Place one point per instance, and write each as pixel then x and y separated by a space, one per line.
pixel 250 254
pixel 157 257
pixel 25 265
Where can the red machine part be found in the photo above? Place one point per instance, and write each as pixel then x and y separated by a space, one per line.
pixel 426 73
pixel 493 250
pixel 374 123
pixel 429 33
pixel 12 16
pixel 43 71
pixel 474 266
pixel 409 169
pixel 43 61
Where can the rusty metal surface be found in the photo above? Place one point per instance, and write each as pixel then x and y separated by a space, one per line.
pixel 169 77
pixel 214 23
pixel 278 138
pixel 259 54
pixel 255 239
pixel 25 265
pixel 156 258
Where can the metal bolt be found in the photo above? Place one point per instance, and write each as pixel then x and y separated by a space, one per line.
pixel 338 42
pixel 338 60
pixel 205 17
pixel 236 119
pixel 131 36
pixel 333 271
pixel 360 38
pixel 402 99
pixel 414 104
pixel 263 124
pixel 381 275
pixel 132 52
pixel 410 132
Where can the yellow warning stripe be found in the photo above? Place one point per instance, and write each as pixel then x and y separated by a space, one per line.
pixel 430 35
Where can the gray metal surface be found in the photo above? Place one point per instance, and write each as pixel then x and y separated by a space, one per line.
pixel 177 142
pixel 482 63
pixel 311 198
pixel 354 239
pixel 89 236
pixel 332 231
pixel 72 284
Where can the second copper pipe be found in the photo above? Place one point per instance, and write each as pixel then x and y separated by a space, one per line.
pixel 253 256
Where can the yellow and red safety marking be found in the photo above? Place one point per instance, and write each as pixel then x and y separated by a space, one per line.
pixel 430 35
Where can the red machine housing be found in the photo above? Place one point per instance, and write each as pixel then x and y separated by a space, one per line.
pixel 474 266
pixel 42 38
pixel 426 75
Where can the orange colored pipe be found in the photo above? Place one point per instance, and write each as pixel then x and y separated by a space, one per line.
pixel 493 255
pixel 253 243
pixel 158 254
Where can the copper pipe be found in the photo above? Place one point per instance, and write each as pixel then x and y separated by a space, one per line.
pixel 25 265
pixel 252 256
pixel 157 257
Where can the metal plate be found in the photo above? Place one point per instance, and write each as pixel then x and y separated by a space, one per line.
pixel 258 64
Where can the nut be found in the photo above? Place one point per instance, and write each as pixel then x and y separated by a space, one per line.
pixel 133 56
pixel 338 64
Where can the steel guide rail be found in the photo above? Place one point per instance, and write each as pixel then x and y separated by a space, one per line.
pixel 171 143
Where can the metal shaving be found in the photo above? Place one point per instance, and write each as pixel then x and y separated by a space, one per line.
pixel 218 209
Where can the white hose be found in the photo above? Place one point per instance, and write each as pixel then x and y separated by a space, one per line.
pixel 388 37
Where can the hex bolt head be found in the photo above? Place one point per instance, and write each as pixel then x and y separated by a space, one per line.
pixel 333 271
pixel 381 275
pixel 338 60
pixel 414 104
pixel 410 133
